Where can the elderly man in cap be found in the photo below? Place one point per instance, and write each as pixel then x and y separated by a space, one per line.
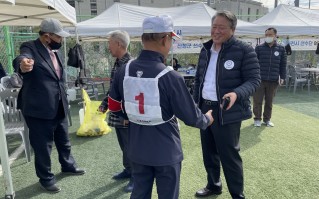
pixel 152 105
pixel 43 102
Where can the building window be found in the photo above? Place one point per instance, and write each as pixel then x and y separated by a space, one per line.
pixel 248 15
pixel 72 3
pixel 93 12
pixel 93 6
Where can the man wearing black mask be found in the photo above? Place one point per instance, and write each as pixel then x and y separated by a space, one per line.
pixel 43 102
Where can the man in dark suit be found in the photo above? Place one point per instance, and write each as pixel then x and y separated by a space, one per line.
pixel 43 102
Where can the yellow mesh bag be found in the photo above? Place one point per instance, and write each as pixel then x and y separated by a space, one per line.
pixel 94 123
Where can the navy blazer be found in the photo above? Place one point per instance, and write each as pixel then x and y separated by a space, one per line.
pixel 42 89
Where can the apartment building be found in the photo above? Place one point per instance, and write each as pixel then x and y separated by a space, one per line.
pixel 87 8
pixel 247 10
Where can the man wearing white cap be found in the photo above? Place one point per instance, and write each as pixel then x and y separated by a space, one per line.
pixel 142 91
pixel 43 102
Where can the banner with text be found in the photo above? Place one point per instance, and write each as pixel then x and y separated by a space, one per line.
pixel 194 46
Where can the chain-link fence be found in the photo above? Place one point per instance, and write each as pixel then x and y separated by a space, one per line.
pixel 5 53
pixel 10 43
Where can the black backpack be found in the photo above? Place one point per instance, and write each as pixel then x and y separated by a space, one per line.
pixel 288 49
pixel 76 57
pixel 317 50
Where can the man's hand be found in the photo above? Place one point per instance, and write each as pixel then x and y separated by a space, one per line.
pixel 125 122
pixel 26 65
pixel 233 97
pixel 210 116
pixel 102 109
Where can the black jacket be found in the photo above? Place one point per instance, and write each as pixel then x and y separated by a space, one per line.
pixel 272 61
pixel 42 90
pixel 243 78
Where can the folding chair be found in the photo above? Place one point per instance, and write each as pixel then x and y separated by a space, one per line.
pixel 13 119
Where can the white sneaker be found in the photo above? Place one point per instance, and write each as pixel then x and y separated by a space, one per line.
pixel 257 123
pixel 269 124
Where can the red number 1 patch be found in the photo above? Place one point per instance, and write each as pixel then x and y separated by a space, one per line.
pixel 140 99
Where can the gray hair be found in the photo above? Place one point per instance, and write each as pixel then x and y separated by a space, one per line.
pixel 146 37
pixel 121 36
pixel 229 16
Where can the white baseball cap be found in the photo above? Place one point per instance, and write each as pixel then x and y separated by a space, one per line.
pixel 159 24
pixel 51 25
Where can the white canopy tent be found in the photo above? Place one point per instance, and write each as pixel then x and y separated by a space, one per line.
pixel 32 12
pixel 28 13
pixel 189 21
pixel 292 21
pixel 8 1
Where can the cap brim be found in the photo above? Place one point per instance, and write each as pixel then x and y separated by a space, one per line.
pixel 62 34
pixel 175 36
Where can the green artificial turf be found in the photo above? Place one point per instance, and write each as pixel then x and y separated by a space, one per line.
pixel 279 162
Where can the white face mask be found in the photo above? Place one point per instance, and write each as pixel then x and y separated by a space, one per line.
pixel 269 39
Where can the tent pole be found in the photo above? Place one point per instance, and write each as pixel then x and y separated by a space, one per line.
pixel 77 35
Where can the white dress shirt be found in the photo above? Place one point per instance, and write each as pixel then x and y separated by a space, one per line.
pixel 209 89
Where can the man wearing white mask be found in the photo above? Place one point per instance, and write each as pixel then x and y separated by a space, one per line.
pixel 272 60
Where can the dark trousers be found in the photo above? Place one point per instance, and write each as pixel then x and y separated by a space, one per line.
pixel 220 145
pixel 167 181
pixel 266 90
pixel 42 133
pixel 123 139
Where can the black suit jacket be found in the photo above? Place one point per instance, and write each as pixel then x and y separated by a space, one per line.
pixel 42 89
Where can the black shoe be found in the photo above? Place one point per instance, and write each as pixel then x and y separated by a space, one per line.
pixel 123 175
pixel 76 171
pixel 129 187
pixel 204 192
pixel 52 188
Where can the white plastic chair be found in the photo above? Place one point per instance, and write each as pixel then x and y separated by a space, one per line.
pixel 5 82
pixel 13 119
pixel 298 77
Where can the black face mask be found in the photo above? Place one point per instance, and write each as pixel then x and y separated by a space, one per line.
pixel 54 45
